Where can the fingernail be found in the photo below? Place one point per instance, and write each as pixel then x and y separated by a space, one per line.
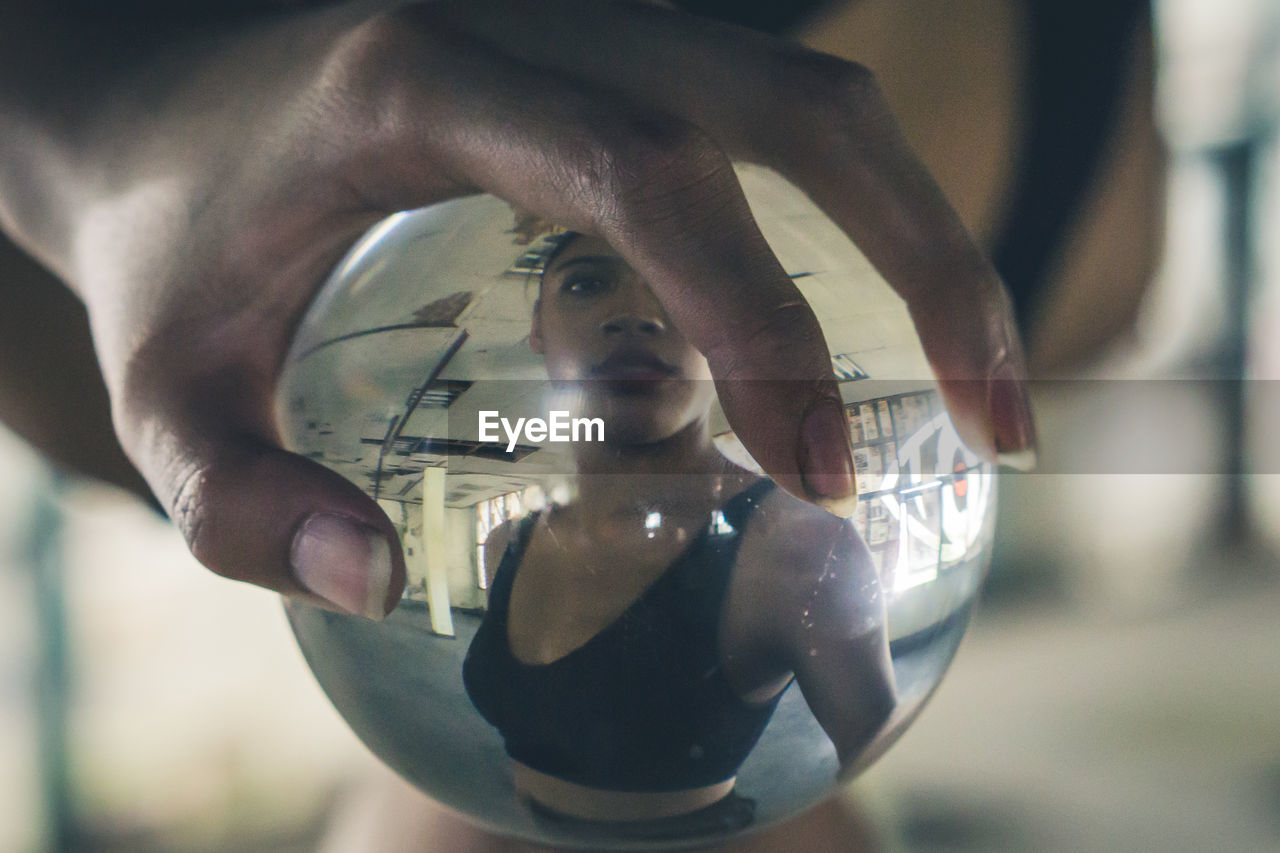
pixel 1015 432
pixel 344 562
pixel 826 459
pixel 1019 460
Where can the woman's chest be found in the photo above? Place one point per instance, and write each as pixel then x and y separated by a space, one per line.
pixel 562 597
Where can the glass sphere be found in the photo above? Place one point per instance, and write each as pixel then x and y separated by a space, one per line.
pixel 618 634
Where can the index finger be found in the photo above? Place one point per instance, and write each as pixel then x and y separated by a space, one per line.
pixel 823 123
pixel 662 193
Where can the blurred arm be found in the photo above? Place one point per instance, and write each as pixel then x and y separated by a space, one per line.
pixel 51 392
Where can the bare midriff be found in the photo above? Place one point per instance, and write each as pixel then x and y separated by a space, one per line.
pixel 581 801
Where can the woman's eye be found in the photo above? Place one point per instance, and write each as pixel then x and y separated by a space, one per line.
pixel 585 285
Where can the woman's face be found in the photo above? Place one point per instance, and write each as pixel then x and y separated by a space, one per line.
pixel 598 325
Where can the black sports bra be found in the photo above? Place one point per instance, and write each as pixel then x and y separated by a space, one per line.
pixel 641 706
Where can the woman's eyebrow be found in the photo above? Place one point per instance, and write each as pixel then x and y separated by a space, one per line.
pixel 584 259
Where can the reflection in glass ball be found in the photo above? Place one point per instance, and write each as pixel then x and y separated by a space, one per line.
pixel 617 633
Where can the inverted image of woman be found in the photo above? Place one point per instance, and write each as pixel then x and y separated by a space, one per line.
pixel 640 636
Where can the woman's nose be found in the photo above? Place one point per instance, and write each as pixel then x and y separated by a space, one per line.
pixel 641 316
pixel 634 310
pixel 640 323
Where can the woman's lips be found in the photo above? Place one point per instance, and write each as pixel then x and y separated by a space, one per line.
pixel 633 366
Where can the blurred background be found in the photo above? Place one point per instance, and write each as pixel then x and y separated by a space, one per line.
pixel 1118 690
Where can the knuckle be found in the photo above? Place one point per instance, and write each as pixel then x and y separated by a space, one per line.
pixel 357 57
pixel 785 342
pixel 193 485
pixel 645 162
pixel 186 420
pixel 207 494
pixel 832 96
pixel 825 82
pixel 373 45
pixel 371 74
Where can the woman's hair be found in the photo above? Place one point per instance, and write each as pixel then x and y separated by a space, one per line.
pixel 543 241
pixel 558 243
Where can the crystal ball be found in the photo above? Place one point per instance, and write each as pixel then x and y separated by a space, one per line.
pixel 617 633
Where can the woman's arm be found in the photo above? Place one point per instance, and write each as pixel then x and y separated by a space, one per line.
pixel 839 642
pixel 807 600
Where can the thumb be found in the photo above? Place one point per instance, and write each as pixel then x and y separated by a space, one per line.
pixel 253 512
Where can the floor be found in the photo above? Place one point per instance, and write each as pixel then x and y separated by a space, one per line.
pixel 1069 731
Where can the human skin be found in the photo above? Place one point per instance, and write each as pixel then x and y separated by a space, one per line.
pixel 592 307
pixel 143 165
pixel 194 184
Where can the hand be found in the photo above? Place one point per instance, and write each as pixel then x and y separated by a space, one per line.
pixel 196 185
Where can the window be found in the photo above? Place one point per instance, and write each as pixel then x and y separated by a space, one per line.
pixel 489 514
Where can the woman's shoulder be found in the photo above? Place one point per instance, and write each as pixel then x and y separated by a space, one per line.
pixel 792 537
pixel 785 513
pixel 791 550
pixel 499 541
pixel 776 517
